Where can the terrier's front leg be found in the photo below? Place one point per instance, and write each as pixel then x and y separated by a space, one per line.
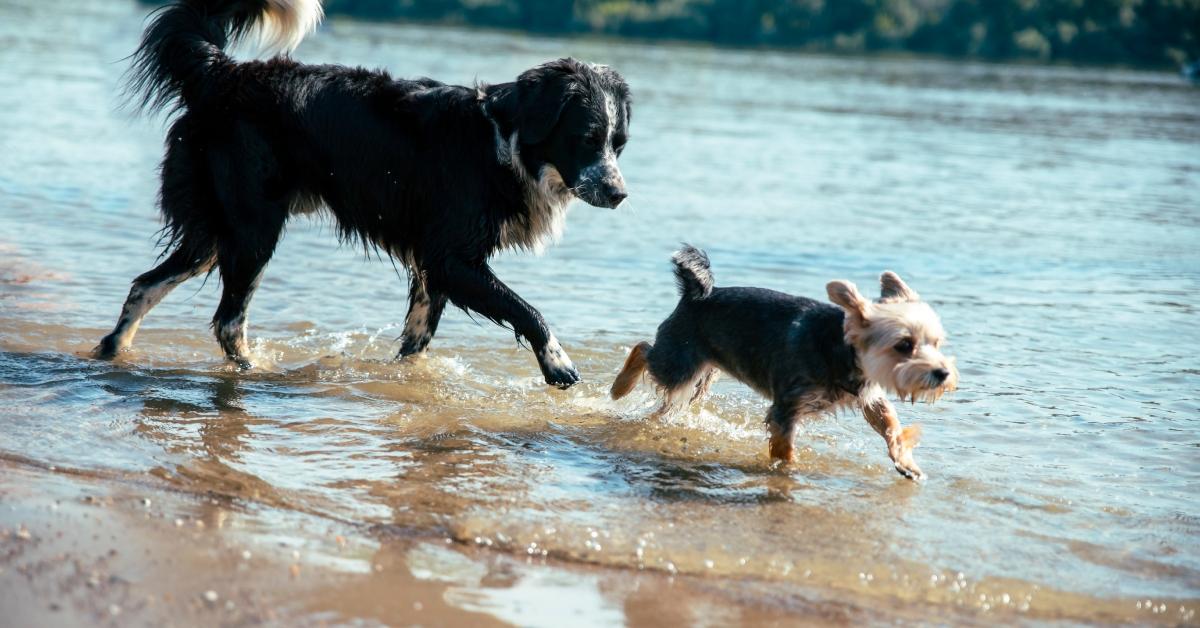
pixel 781 424
pixel 880 413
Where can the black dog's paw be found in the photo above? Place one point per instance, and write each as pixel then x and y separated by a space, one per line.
pixel 557 368
pixel 563 378
pixel 241 362
pixel 107 349
pixel 413 345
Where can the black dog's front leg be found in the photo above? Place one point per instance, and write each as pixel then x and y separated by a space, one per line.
pixel 476 288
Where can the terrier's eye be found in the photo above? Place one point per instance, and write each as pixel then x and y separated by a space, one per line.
pixel 904 347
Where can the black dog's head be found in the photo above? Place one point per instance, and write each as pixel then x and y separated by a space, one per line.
pixel 567 119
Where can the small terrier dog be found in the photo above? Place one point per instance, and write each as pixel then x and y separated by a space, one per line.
pixel 808 357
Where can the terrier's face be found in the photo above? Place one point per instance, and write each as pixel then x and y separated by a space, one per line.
pixel 898 339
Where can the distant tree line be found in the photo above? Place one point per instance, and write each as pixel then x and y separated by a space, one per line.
pixel 1138 32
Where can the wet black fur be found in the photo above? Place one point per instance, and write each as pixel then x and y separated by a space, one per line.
pixel 407 167
pixel 790 349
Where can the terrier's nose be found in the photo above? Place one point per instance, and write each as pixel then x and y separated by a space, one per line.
pixel 940 374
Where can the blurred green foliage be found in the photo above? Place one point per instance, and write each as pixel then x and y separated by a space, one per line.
pixel 1138 32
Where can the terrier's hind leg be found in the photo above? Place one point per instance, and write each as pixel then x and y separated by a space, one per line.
pixel 708 376
pixel 678 370
pixel 187 261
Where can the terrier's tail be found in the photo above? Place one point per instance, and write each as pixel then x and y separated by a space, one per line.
pixel 692 273
pixel 635 365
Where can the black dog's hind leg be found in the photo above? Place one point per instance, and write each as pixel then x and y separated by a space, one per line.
pixel 424 313
pixel 253 220
pixel 476 288
pixel 186 197
pixel 186 261
pixel 242 260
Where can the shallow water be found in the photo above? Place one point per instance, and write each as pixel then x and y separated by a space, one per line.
pixel 1049 215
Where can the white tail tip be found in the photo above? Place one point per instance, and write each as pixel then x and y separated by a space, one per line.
pixel 286 23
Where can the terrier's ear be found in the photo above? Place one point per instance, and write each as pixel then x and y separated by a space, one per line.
pixel 893 288
pixel 845 294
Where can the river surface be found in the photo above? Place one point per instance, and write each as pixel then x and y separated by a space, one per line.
pixel 1051 215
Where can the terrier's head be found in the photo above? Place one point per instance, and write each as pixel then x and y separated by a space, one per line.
pixel 897 338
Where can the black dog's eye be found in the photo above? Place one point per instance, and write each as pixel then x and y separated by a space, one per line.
pixel 619 143
pixel 594 140
pixel 904 346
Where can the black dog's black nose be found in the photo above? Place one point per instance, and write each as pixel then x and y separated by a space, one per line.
pixel 616 196
pixel 940 374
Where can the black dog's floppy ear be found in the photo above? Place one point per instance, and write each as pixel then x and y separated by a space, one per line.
pixel 542 94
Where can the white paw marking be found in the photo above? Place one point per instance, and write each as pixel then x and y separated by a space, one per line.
pixel 417 323
pixel 553 356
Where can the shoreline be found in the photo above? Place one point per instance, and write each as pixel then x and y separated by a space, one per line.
pixel 81 548
pixel 826 43
pixel 97 548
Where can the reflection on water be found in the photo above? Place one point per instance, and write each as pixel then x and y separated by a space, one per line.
pixel 1048 214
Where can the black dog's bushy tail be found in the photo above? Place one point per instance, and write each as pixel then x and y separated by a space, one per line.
pixel 186 39
pixel 692 273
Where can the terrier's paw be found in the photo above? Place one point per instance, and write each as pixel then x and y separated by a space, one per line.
pixel 901 453
pixel 781 450
pixel 909 469
pixel 556 367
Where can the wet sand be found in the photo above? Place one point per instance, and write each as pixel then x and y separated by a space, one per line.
pixel 78 548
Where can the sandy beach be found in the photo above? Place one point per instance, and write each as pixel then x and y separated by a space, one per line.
pixel 78 548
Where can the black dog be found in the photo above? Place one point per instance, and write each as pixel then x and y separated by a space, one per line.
pixel 439 177
pixel 806 356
